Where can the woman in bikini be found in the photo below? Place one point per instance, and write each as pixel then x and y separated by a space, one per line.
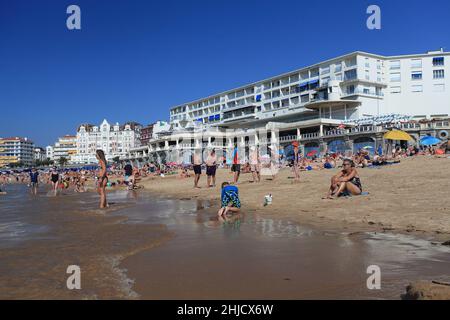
pixel 102 178
pixel 54 178
pixel 346 182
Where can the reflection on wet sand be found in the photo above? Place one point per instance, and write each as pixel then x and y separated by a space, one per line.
pixel 150 247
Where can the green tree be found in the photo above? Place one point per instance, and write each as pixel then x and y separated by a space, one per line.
pixel 62 161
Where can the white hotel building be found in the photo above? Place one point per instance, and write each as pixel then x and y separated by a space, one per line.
pixel 359 90
pixel 115 140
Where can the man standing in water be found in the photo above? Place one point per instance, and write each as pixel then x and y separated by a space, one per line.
pixel 102 178
pixel 129 175
pixel 197 162
pixel 34 180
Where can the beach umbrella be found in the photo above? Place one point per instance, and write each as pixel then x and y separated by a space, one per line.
pixel 429 141
pixel 311 153
pixel 397 135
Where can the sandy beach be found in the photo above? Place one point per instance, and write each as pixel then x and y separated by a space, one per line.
pixel 165 242
pixel 409 197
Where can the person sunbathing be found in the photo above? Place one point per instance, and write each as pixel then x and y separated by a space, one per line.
pixel 346 182
pixel 229 200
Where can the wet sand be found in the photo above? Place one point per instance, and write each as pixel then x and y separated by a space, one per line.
pixel 253 257
pixel 71 232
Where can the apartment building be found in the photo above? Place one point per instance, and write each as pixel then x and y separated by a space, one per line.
pixel 115 140
pixel 16 150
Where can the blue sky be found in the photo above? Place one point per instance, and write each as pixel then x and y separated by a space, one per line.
pixel 133 59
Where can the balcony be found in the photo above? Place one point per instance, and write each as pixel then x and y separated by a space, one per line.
pixel 363 129
pixel 288 138
pixel 309 136
pixel 335 133
pixel 410 126
pixel 362 92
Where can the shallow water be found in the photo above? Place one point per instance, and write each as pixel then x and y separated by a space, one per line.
pixel 254 257
pixel 178 250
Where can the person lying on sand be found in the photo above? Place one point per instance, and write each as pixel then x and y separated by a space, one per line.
pixel 346 182
pixel 229 199
pixel 183 173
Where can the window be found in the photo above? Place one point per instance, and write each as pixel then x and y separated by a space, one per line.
pixel 417 88
pixel 339 77
pixel 416 63
pixel 338 68
pixel 351 89
pixel 350 75
pixel 438 61
pixel 396 89
pixel 325 70
pixel 366 90
pixel 367 75
pixel 304 98
pixel 395 65
pixel 439 87
pixel 416 75
pixel 438 74
pixel 294 78
pixel 314 73
pixel 367 64
pixel 396 77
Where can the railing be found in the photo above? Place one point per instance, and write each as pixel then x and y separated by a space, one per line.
pixel 410 126
pixel 358 91
pixel 337 132
pixel 307 136
pixel 363 129
pixel 288 138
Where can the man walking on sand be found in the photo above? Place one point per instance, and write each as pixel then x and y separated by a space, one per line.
pixel 211 166
pixel 255 164
pixel 197 168
pixel 236 167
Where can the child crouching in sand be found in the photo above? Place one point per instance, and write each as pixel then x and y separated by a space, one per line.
pixel 229 199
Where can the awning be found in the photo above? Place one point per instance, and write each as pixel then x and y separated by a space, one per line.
pixel 258 97
pixel 217 117
pixel 314 81
pixel 211 118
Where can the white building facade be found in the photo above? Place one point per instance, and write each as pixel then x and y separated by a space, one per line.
pixel 115 140
pixel 49 152
pixel 349 87
pixel 16 150
pixel 65 147
pixel 338 105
